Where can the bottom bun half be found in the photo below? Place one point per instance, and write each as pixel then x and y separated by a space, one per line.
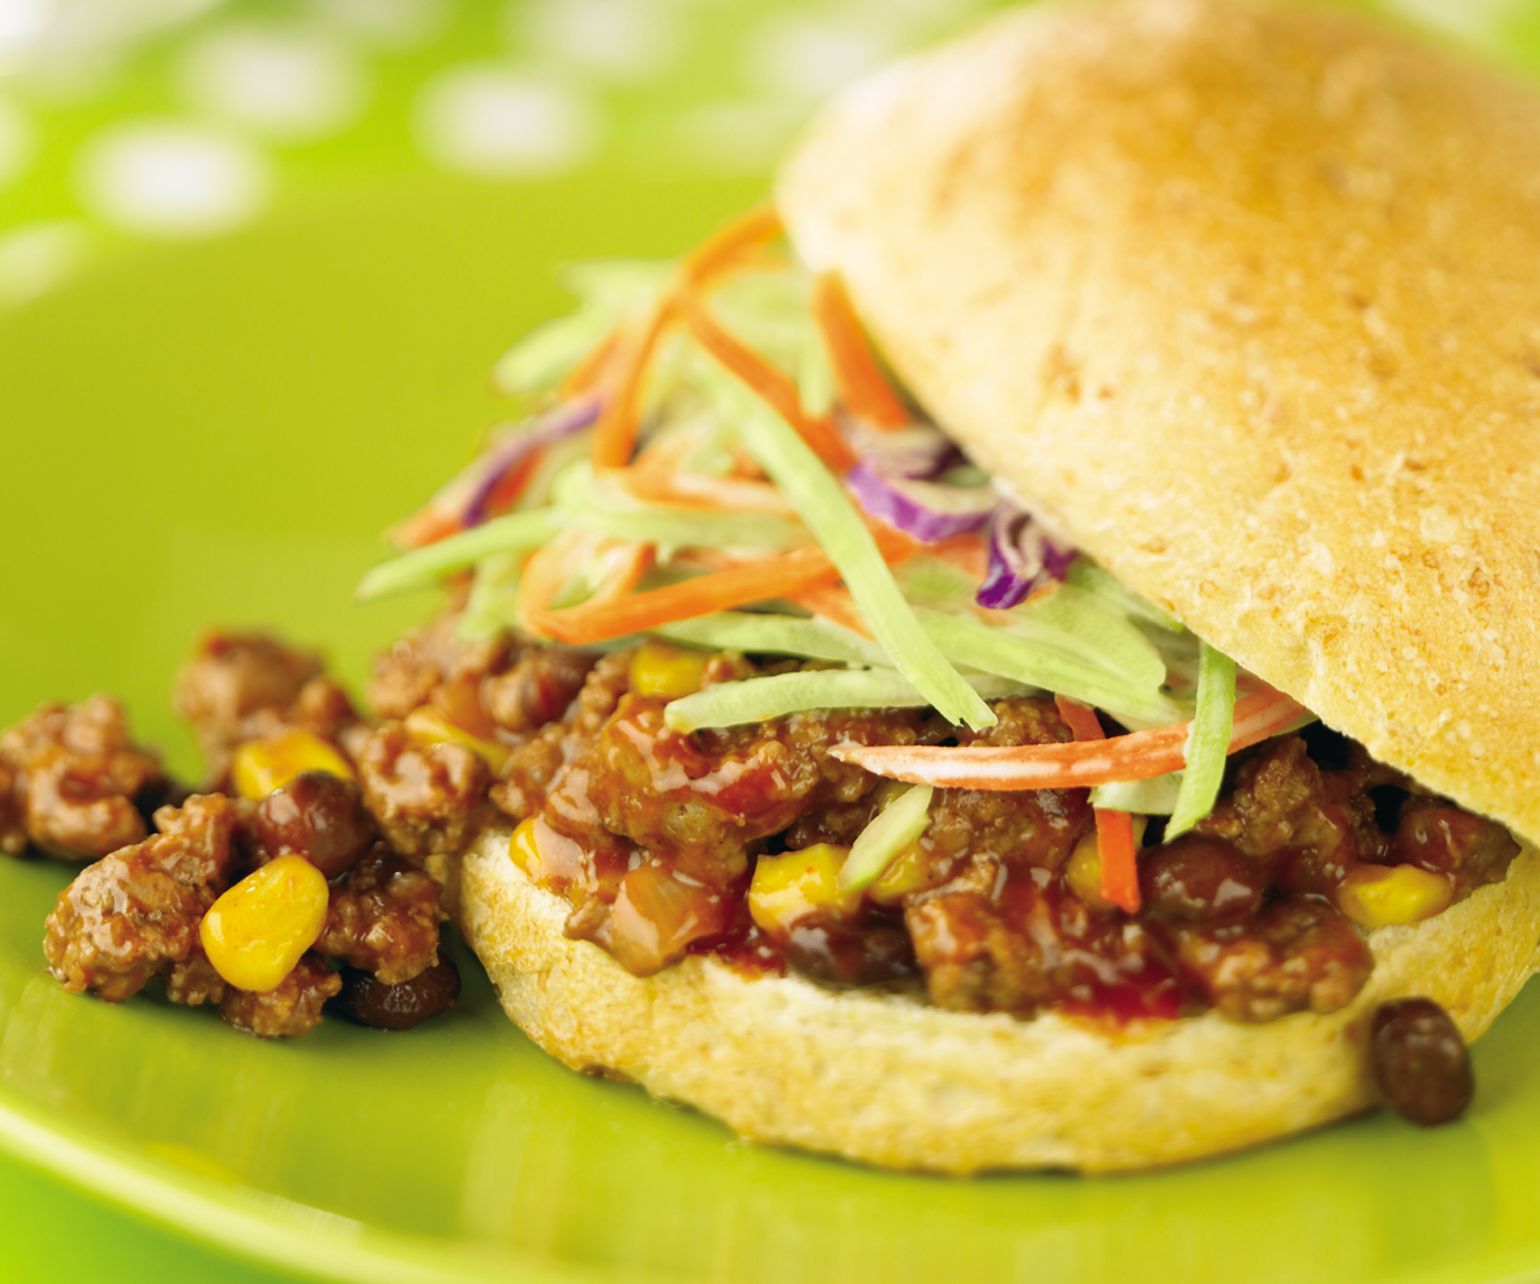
pixel 889 1081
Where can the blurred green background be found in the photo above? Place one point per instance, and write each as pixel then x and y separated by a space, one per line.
pixel 255 261
pixel 163 119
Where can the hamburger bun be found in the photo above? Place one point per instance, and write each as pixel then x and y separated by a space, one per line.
pixel 886 1080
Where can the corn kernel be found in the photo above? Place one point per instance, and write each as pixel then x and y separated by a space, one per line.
pixel 256 932
pixel 430 727
pixel 910 871
pixel 261 766
pixel 1385 895
pixel 667 672
pixel 522 847
pixel 791 886
pixel 1083 874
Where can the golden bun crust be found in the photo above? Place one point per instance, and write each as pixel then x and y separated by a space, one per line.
pixel 1245 300
pixel 893 1082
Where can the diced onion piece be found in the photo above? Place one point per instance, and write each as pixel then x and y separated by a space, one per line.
pixel 1208 741
pixel 827 512
pixel 897 825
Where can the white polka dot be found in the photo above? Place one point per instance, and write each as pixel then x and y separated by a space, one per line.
pixel 16 143
pixel 171 179
pixel 398 23
pixel 287 83
pixel 36 257
pixel 497 123
pixel 65 49
pixel 1479 20
pixel 811 58
pixel 619 38
pixel 745 136
pixel 22 25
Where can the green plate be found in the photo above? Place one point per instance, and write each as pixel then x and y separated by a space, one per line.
pixel 212 431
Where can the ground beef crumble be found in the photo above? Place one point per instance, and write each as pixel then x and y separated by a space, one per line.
pixel 133 914
pixel 239 687
pixel 13 831
pixel 294 1008
pixel 425 798
pixel 132 917
pixel 384 919
pixel 76 779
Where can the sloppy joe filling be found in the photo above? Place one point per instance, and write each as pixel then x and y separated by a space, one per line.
pixel 725 842
pixel 728 842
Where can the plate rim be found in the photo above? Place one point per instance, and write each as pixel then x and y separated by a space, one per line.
pixel 253 1225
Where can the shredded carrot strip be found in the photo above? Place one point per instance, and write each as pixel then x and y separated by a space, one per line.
pixel 1075 764
pixel 615 433
pixel 772 384
pixel 733 583
pixel 1114 829
pixel 781 576
pixel 553 566
pixel 857 376
pixel 833 602
pixel 425 526
pixel 730 243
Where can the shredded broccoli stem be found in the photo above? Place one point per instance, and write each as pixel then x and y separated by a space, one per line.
pixel 975 645
pixel 826 510
pixel 1208 743
pixel 1153 797
pixel 811 639
pixel 1086 574
pixel 897 825
pixel 423 566
pixel 732 704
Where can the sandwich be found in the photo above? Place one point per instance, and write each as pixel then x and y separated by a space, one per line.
pixel 1022 652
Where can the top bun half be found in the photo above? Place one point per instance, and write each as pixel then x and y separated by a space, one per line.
pixel 1245 301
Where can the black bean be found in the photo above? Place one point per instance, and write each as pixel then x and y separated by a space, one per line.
pixel 1198 878
pixel 401 1006
pixel 320 816
pixel 1420 1061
